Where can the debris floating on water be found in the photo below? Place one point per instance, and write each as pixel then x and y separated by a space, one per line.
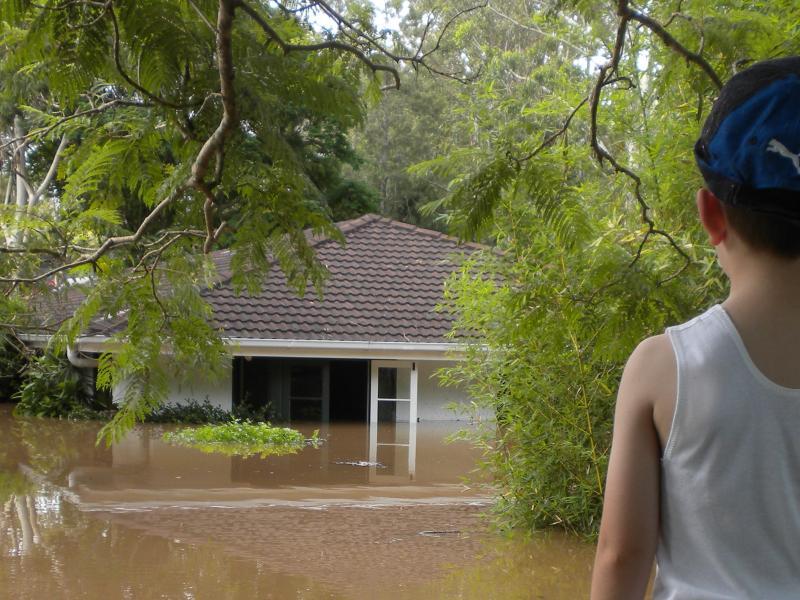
pixel 360 463
pixel 440 533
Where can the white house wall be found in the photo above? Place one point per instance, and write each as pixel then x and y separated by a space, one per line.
pixel 185 387
pixel 433 398
pixel 218 393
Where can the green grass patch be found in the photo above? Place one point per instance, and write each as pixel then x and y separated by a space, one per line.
pixel 242 438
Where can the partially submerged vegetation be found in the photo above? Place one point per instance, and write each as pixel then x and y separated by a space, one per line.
pixel 192 412
pixel 242 438
pixel 51 387
pixel 47 385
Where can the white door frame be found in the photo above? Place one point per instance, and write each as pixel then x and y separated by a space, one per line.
pixel 373 388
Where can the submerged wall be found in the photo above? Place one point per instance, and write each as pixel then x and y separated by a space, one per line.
pixel 217 393
pixel 185 386
pixel 433 398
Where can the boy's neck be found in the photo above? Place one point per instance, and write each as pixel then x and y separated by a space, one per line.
pixel 761 283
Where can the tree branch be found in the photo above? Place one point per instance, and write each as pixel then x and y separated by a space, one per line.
pixel 121 70
pixel 43 131
pixel 674 44
pixel 213 147
pixel 51 173
pixel 329 45
pixel 108 244
pixel 606 71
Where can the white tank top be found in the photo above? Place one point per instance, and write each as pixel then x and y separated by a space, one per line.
pixel 730 474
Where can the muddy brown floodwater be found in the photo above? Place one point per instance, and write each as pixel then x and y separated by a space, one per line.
pixel 371 514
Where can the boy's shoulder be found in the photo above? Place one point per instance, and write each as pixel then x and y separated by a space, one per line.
pixel 651 374
pixel 650 356
pixel 650 380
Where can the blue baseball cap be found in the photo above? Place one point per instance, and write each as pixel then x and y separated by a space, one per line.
pixel 750 153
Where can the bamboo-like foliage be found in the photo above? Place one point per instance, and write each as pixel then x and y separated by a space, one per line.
pixel 574 157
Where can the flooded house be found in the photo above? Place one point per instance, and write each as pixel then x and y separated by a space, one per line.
pixel 368 351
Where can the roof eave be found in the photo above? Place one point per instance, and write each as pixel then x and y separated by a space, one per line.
pixel 292 348
pixel 363 349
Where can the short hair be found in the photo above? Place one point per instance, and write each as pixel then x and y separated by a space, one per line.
pixel 776 234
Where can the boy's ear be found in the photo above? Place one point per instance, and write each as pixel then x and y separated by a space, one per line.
pixel 712 216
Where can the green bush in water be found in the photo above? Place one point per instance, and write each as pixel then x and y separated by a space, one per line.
pixel 52 387
pixel 191 412
pixel 13 361
pixel 242 438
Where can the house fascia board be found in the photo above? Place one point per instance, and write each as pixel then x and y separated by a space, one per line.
pixel 302 348
pixel 345 349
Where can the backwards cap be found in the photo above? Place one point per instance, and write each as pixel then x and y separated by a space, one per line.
pixel 749 150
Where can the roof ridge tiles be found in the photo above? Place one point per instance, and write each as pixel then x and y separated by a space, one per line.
pixel 429 232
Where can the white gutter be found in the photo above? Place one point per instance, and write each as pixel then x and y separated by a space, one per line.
pixel 344 349
pixel 252 347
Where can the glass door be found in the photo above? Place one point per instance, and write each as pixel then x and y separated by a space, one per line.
pixel 393 391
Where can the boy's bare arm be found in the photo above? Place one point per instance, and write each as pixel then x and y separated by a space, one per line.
pixel 629 528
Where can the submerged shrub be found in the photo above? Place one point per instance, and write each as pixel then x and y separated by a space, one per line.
pixel 242 438
pixel 13 361
pixel 250 412
pixel 190 412
pixel 52 387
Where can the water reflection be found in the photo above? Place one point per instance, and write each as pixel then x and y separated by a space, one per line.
pixel 49 549
pixel 355 463
pixel 374 513
pixel 393 452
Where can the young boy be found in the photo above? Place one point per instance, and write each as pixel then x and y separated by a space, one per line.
pixel 705 464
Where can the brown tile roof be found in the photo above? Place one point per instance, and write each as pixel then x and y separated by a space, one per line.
pixel 383 286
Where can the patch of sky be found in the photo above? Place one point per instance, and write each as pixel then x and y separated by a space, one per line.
pixel 386 17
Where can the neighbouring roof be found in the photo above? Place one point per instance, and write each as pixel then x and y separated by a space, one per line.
pixel 383 286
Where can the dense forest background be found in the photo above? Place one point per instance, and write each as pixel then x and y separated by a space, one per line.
pixel 557 132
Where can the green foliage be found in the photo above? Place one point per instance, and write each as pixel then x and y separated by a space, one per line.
pixel 52 387
pixel 245 411
pixel 575 278
pixel 351 199
pixel 551 322
pixel 242 438
pixel 191 412
pixel 13 361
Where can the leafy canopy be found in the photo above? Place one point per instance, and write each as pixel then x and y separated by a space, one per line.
pixel 138 138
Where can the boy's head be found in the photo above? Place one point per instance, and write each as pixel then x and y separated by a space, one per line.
pixel 749 154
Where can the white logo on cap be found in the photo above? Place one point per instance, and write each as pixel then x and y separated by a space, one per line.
pixel 776 146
